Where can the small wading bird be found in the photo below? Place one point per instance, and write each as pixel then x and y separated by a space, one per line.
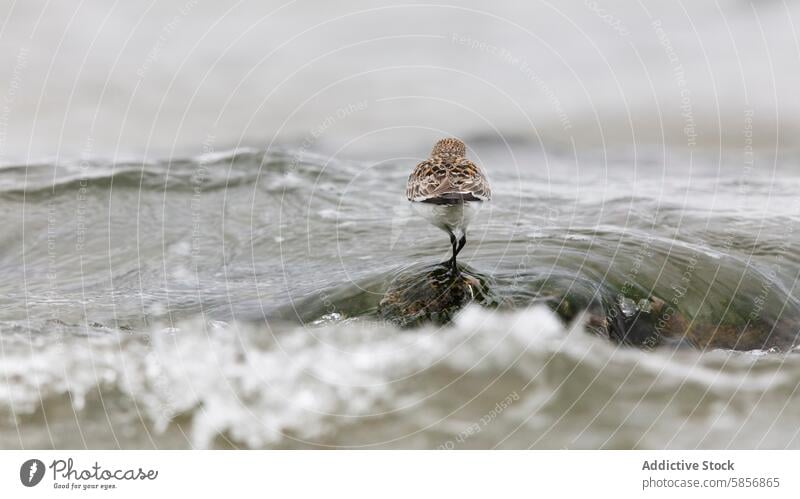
pixel 447 189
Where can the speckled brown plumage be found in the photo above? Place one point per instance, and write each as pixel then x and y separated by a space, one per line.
pixel 447 176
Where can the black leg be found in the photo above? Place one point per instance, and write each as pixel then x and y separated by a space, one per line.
pixel 461 244
pixel 454 243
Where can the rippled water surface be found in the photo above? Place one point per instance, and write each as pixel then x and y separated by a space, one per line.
pixel 234 300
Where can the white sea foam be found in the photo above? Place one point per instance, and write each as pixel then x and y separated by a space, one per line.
pixel 366 384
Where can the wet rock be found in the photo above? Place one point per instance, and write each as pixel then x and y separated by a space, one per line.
pixel 674 327
pixel 434 293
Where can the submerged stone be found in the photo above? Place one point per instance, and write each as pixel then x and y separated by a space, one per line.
pixel 434 293
pixel 674 327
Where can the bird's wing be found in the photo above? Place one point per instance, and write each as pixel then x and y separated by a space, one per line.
pixel 432 179
pixel 466 177
pixel 426 179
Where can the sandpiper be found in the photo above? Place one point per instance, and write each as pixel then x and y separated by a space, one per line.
pixel 446 189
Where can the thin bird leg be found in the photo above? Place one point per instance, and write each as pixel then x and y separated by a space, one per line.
pixel 461 243
pixel 454 243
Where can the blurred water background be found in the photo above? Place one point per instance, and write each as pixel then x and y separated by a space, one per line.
pixel 203 206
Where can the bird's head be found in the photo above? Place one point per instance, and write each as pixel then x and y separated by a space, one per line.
pixel 450 147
